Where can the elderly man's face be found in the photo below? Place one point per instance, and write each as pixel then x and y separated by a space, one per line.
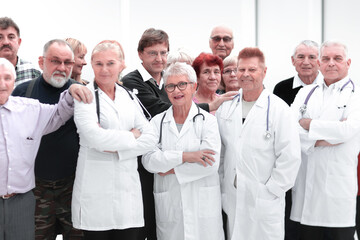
pixel 57 64
pixel 333 64
pixel 9 43
pixel 306 61
pixel 251 74
pixel 221 42
pixel 7 81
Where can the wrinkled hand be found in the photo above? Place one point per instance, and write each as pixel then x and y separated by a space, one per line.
pixel 305 123
pixel 136 132
pixel 214 105
pixel 203 157
pixel 171 171
pixel 81 93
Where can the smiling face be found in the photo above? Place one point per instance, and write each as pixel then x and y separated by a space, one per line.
pixel 107 67
pixel 221 41
pixel 209 78
pixel 154 58
pixel 230 79
pixel 80 61
pixel 181 97
pixel 306 61
pixel 333 63
pixel 7 81
pixel 251 74
pixel 57 64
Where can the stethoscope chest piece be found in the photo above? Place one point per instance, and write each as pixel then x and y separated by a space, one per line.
pixel 303 109
pixel 267 135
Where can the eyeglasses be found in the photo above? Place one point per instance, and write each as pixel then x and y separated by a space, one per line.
pixel 155 53
pixel 57 62
pixel 181 86
pixel 229 71
pixel 218 39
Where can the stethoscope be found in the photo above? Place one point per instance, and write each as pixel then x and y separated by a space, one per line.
pixel 303 107
pixel 267 134
pixel 199 114
pixel 96 89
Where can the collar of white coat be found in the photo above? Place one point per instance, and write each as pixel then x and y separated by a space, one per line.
pixel 261 102
pixel 193 111
pixel 298 82
pixel 146 75
pixel 339 84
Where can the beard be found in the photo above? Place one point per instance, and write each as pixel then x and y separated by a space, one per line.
pixel 57 81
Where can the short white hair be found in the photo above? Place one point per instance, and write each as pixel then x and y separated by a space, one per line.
pixel 308 43
pixel 8 65
pixel 180 69
pixel 330 43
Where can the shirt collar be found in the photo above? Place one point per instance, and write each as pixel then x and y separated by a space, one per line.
pixel 146 75
pixel 338 84
pixel 298 83
pixel 9 105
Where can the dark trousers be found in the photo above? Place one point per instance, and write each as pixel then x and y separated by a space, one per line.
pixel 292 229
pixel 126 234
pixel 147 185
pixel 320 233
pixel 53 210
pixel 17 217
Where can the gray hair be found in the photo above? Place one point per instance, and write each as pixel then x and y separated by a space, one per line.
pixel 179 56
pixel 230 60
pixel 330 43
pixel 308 43
pixel 8 65
pixel 180 69
pixel 58 41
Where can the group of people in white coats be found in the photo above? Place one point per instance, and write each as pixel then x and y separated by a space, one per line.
pixel 241 160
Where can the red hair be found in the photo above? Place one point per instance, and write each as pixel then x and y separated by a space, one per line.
pixel 250 52
pixel 209 59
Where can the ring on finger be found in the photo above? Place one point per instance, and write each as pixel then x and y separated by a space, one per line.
pixel 203 158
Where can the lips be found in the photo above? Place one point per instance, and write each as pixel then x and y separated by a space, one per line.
pixel 177 97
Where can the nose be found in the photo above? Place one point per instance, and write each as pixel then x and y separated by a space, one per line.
pixel 158 57
pixel 61 67
pixel 84 62
pixel 331 62
pixel 222 43
pixel 306 60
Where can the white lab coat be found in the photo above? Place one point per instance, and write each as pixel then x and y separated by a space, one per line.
pixel 263 169
pixel 107 191
pixel 326 187
pixel 187 203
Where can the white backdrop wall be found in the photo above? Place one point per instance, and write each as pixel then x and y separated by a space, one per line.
pixel 277 25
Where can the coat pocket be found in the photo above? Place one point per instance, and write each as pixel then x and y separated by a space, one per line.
pixel 209 201
pixel 268 206
pixel 341 180
pixel 165 210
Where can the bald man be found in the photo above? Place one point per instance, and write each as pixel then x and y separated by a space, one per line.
pixel 221 41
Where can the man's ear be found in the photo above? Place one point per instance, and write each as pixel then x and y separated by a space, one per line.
pixel 41 62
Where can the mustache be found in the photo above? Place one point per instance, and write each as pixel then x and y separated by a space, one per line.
pixel 6 46
pixel 59 72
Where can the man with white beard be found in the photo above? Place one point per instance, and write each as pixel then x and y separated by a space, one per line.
pixel 56 159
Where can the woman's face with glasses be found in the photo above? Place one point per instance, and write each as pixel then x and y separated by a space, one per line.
pixel 180 91
pixel 229 77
